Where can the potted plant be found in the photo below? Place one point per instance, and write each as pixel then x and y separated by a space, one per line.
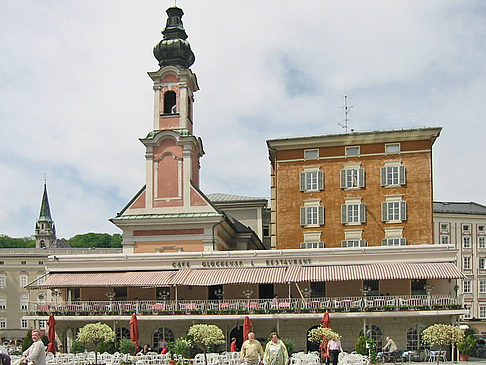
pixel 127 346
pixel 94 334
pixel 466 347
pixel 204 335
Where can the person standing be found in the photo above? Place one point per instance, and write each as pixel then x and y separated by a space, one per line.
pixel 36 353
pixel 334 348
pixel 275 351
pixel 233 345
pixel 251 351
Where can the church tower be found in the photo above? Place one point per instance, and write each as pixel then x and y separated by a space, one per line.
pixel 45 231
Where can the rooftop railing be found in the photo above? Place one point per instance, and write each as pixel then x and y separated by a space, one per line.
pixel 246 306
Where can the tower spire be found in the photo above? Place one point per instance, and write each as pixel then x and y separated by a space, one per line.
pixel 45 210
pixel 45 231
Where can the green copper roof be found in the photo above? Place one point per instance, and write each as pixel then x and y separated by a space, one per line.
pixel 174 50
pixel 45 211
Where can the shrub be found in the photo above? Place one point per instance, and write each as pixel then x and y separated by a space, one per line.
pixel 366 346
pixel 27 340
pixel 78 347
pixel 467 346
pixel 127 346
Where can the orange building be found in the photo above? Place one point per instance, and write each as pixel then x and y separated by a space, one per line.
pixel 351 190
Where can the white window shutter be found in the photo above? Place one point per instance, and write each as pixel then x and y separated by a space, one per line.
pixel 343 179
pixel 320 175
pixel 302 181
pixel 362 177
pixel 403 177
pixel 302 216
pixel 321 215
pixel 403 241
pixel 344 217
pixel 383 176
pixel 384 212
pixel 362 213
pixel 403 211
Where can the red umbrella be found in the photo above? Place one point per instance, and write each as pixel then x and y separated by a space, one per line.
pixel 134 330
pixel 51 334
pixel 326 323
pixel 246 328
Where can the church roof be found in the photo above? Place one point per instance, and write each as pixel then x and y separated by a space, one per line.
pixel 221 197
pixel 45 211
pixel 459 208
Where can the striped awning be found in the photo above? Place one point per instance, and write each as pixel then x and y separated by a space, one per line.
pixel 249 275
pixel 382 271
pixel 107 279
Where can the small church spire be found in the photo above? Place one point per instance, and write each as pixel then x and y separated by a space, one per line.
pixel 45 231
pixel 45 211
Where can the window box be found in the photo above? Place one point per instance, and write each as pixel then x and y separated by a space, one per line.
pixel 389 308
pixel 84 313
pixel 195 311
pixel 339 309
pixel 146 312
pixel 372 309
pixel 176 312
pixel 42 313
pixel 69 313
pixel 163 311
pixel 57 313
pixel 96 312
pixel 211 311
pixel 112 312
pixel 438 306
pixel 126 312
pixel 355 309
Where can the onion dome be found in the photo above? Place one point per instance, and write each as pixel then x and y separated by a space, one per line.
pixel 174 50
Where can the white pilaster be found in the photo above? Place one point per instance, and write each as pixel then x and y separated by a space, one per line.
pixel 187 167
pixel 157 102
pixel 183 121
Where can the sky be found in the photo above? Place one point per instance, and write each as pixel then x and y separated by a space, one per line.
pixel 75 96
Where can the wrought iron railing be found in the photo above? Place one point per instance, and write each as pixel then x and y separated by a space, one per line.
pixel 254 306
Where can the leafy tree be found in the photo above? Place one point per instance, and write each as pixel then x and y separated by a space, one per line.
pixel 78 347
pixel 205 335
pixel 96 333
pixel 366 346
pixel 98 240
pixel 9 242
pixel 442 335
pixel 27 340
pixel 127 346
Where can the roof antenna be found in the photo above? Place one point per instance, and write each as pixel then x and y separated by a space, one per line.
pixel 347 109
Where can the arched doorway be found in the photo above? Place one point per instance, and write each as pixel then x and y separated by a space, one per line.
pixel 237 333
pixel 311 346
pixel 374 332
pixel 162 335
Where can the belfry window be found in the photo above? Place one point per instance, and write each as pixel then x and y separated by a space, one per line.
pixel 170 102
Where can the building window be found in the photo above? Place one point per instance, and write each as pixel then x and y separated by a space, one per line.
pixel 444 227
pixel 482 311
pixel 122 332
pixel 482 263
pixel 2 262
pixel 393 175
pixel 162 333
pixel 266 231
pixel 394 242
pixel 466 286
pixel 352 151
pixel 24 324
pixel 481 228
pixel 354 243
pixel 23 262
pixel 482 286
pixel 170 102
pixel 3 323
pixel 312 215
pixel 24 304
pixel 468 315
pixel 466 242
pixel 466 263
pixel 42 324
pixel 23 280
pixel 353 212
pixel 392 148
pixel 444 240
pixel 353 177
pixel 312 245
pixel 466 228
pixel 374 332
pixel 3 303
pixel 414 338
pixel 394 211
pixel 311 154
pixel 312 180
pixel 41 262
pixel 3 281
pixel 481 242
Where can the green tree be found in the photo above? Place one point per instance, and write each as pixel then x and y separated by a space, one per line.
pixel 127 346
pixel 98 240
pixel 9 242
pixel 27 340
pixel 442 335
pixel 78 347
pixel 94 334
pixel 205 335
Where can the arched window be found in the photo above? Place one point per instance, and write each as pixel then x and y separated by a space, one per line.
pixel 164 334
pixel 311 346
pixel 375 333
pixel 414 337
pixel 170 102
pixel 237 332
pixel 122 332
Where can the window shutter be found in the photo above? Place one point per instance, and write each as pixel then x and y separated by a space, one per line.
pixel 362 243
pixel 384 242
pixel 343 179
pixel 320 175
pixel 403 178
pixel 344 243
pixel 302 245
pixel 302 216
pixel 302 181
pixel 344 218
pixel 362 177
pixel 362 213
pixel 383 176
pixel 384 212
pixel 403 241
pixel 321 244
pixel 403 211
pixel 321 215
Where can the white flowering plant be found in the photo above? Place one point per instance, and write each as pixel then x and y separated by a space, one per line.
pixel 442 335
pixel 95 333
pixel 204 335
pixel 316 335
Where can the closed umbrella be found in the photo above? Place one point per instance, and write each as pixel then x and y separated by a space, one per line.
pixel 246 328
pixel 51 334
pixel 134 330
pixel 326 323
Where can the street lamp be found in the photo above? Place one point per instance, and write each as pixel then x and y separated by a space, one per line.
pixel 248 293
pixel 365 290
pixel 56 293
pixel 219 292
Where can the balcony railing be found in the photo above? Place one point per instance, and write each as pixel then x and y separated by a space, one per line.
pixel 246 306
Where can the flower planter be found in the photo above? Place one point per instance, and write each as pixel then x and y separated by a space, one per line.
pixel 463 357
